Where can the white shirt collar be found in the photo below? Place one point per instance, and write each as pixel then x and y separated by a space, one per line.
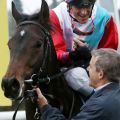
pixel 99 88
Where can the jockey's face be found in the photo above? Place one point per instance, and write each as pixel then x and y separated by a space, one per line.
pixel 81 14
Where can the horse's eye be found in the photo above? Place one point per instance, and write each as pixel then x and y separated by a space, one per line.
pixel 38 45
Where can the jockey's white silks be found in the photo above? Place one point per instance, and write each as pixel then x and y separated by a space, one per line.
pixel 99 15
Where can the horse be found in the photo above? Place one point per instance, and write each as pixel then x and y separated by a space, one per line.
pixel 33 56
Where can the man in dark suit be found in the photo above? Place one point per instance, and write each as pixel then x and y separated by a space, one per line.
pixel 104 104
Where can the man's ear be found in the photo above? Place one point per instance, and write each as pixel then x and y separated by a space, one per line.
pixel 101 74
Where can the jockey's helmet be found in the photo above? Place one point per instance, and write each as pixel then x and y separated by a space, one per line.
pixel 81 3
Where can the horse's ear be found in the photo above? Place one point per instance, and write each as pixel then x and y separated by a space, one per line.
pixel 44 13
pixel 16 15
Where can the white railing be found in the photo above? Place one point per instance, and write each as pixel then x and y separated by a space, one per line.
pixel 8 115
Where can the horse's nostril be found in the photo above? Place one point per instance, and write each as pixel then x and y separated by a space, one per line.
pixel 11 87
pixel 4 84
pixel 15 85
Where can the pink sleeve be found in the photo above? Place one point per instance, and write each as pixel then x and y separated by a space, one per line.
pixel 58 39
pixel 110 37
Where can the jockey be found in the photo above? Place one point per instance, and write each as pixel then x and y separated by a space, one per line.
pixel 80 24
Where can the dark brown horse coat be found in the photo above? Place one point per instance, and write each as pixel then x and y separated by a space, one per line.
pixel 32 52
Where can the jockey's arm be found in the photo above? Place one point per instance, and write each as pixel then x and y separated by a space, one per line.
pixel 110 36
pixel 58 39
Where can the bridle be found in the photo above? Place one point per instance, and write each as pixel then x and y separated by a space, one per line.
pixel 47 40
pixel 35 77
pixel 43 65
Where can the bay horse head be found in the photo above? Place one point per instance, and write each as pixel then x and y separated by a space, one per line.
pixel 30 48
pixel 32 53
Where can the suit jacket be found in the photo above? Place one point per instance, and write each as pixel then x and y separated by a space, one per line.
pixel 102 105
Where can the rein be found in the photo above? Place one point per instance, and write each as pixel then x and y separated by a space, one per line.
pixel 46 79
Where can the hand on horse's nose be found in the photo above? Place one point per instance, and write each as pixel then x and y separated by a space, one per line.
pixel 10 87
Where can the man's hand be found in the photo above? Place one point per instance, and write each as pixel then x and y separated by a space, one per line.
pixel 42 101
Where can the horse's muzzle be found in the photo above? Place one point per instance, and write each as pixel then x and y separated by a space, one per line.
pixel 11 87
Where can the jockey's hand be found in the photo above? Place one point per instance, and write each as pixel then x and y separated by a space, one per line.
pixel 81 53
pixel 78 43
pixel 42 101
